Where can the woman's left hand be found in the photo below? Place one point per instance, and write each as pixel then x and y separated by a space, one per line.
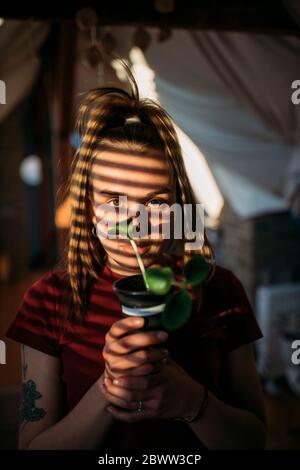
pixel 169 393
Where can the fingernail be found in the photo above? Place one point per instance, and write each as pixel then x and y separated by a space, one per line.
pixel 138 321
pixel 116 382
pixel 166 351
pixel 162 335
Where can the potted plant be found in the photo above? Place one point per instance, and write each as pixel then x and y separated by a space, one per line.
pixel 157 294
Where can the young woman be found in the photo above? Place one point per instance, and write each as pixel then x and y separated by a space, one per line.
pixel 87 383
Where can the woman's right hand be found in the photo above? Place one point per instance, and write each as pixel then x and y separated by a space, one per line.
pixel 132 354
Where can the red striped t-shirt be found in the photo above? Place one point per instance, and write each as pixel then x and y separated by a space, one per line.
pixel 224 322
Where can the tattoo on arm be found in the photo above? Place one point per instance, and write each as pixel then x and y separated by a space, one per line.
pixel 28 409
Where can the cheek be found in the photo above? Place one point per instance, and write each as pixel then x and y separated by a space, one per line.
pixel 106 214
pixel 110 246
pixel 157 248
pixel 161 225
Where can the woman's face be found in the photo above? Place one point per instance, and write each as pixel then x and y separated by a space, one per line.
pixel 131 184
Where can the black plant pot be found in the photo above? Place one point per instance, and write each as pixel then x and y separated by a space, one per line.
pixel 137 301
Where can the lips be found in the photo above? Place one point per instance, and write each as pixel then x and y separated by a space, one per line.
pixel 127 247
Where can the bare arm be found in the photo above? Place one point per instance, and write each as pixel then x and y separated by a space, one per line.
pixel 241 425
pixel 42 425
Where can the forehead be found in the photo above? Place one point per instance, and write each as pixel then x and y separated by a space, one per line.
pixel 132 173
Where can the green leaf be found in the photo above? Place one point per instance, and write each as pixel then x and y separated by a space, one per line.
pixel 196 270
pixel 177 310
pixel 159 280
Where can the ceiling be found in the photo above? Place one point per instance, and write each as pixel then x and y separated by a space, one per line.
pixel 267 16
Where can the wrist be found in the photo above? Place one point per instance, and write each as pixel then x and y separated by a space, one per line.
pixel 196 404
pixel 101 401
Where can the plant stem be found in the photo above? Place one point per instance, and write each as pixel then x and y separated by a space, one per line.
pixel 140 261
pixel 181 284
pixel 178 283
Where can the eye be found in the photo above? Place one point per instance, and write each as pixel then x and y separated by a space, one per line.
pixel 155 202
pixel 114 202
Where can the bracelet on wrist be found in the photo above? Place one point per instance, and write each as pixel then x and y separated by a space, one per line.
pixel 201 410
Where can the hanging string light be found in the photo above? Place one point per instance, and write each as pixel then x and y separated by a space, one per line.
pixel 108 42
pixel 86 18
pixel 87 21
pixel 141 38
pixel 101 44
pixel 93 53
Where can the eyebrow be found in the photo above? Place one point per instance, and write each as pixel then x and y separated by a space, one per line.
pixel 107 192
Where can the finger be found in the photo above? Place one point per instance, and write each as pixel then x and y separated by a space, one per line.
pixel 130 416
pixel 131 342
pixel 128 396
pixel 144 369
pixel 123 326
pixel 137 358
pixel 117 400
pixel 139 383
pixel 107 372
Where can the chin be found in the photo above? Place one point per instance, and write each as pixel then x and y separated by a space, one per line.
pixel 132 263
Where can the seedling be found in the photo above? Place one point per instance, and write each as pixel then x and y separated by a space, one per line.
pixel 159 281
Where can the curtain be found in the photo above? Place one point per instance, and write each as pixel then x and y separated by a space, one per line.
pixel 231 93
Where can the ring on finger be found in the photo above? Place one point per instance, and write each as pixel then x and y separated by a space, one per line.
pixel 140 406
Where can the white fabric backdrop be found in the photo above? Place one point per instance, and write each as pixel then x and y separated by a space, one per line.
pixel 231 93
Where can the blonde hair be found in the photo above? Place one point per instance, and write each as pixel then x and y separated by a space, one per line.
pixel 101 122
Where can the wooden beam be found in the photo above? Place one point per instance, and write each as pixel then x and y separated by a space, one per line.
pixel 256 16
pixel 62 116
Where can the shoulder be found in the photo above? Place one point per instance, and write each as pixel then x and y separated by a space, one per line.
pixel 53 276
pixel 37 322
pixel 225 282
pixel 47 293
pixel 229 303
pixel 49 283
pixel 222 274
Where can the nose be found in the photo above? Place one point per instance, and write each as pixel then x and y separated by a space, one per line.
pixel 134 209
pixel 138 213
